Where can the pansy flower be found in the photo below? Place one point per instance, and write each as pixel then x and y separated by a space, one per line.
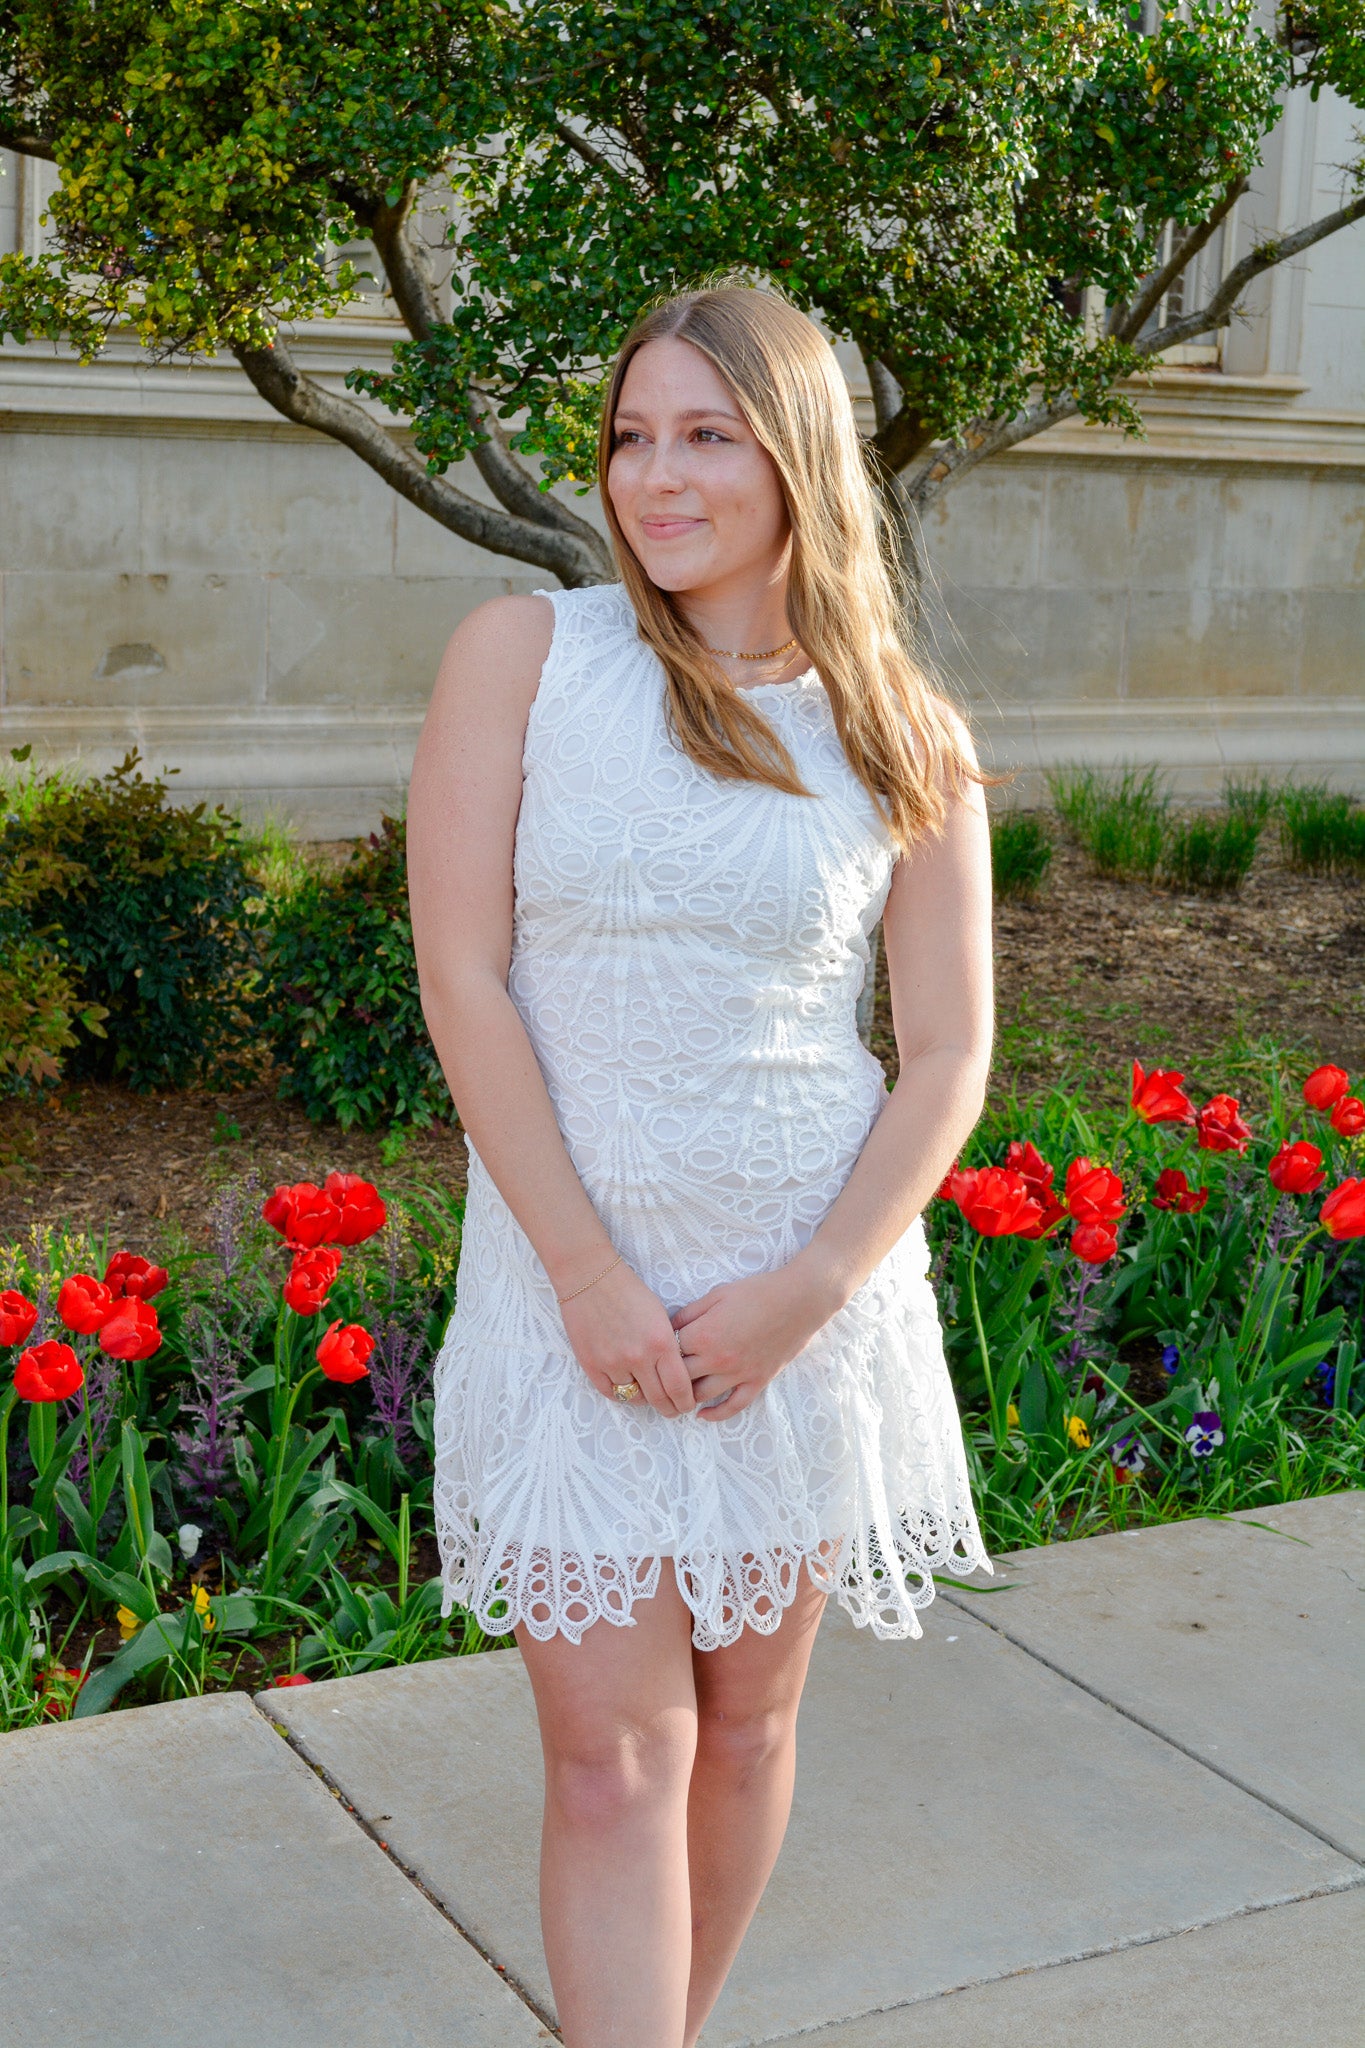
pixel 1204 1434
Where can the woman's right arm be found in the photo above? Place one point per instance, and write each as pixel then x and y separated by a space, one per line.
pixel 462 816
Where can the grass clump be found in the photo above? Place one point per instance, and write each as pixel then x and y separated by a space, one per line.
pixel 1252 796
pixel 1322 831
pixel 1213 851
pixel 1119 819
pixel 1021 853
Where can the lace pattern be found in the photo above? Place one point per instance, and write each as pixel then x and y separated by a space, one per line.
pixel 687 958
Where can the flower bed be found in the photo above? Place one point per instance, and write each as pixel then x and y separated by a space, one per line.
pixel 1192 1343
pixel 217 1471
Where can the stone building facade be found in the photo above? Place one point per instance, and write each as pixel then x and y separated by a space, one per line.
pixel 182 571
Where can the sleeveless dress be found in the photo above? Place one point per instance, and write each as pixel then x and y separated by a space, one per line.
pixel 687 958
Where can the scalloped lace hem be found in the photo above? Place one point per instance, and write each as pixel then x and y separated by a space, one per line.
pixel 559 1593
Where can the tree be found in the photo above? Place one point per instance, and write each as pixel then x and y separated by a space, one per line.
pixel 990 198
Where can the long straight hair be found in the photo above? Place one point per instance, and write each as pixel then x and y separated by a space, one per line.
pixel 845 600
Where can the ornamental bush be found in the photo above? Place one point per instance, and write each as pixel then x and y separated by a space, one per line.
pixel 129 955
pixel 343 1014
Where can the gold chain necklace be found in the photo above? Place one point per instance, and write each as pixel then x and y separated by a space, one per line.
pixel 771 654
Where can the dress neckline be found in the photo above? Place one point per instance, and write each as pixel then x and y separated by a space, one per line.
pixel 807 676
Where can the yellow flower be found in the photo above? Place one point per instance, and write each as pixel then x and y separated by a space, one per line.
pixel 1077 1431
pixel 202 1609
pixel 128 1623
pixel 1011 1417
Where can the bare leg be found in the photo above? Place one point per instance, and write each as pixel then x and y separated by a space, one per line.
pixel 741 1791
pixel 618 1727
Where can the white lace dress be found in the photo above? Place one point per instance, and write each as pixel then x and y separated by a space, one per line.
pixel 687 958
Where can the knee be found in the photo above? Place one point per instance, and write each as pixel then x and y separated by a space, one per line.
pixel 743 1745
pixel 619 1781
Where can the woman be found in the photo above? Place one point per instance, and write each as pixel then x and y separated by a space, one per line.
pixel 694 1381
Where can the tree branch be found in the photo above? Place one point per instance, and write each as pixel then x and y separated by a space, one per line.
pixel 1221 307
pixel 299 398
pixel 1125 323
pixel 985 438
pixel 393 230
pixel 24 144
pixel 589 151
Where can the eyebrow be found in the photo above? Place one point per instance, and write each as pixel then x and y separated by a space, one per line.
pixel 696 412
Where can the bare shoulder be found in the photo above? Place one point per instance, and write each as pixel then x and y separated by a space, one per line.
pixel 497 652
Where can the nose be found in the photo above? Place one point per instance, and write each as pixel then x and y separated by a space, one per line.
pixel 662 470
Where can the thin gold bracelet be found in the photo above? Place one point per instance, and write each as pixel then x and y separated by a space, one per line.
pixel 562 1298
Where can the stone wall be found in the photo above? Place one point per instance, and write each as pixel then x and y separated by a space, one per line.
pixel 250 605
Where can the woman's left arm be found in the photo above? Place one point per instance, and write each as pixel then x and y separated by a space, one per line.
pixel 936 929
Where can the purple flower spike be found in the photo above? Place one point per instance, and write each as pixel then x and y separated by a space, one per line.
pixel 1327 1373
pixel 1170 1357
pixel 1204 1434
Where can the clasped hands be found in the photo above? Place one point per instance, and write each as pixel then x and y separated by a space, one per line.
pixel 714 1356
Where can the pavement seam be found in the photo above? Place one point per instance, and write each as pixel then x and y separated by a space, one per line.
pixel 1081 1955
pixel 1171 1741
pixel 505 1976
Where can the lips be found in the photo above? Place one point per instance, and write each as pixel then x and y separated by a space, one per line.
pixel 669 529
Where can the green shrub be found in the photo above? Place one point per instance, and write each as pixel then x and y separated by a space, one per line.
pixel 1322 831
pixel 141 905
pixel 1021 853
pixel 1119 819
pixel 345 1019
pixel 1213 850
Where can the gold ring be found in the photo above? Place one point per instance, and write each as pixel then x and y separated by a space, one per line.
pixel 627 1392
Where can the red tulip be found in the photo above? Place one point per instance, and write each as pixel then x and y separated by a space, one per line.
pixel 1173 1191
pixel 1054 1212
pixel 17 1316
pixel 84 1303
pixel 1325 1086
pixel 303 1215
pixel 128 1273
pixel 1219 1126
pixel 342 1351
pixel 132 1331
pixel 1094 1242
pixel 1343 1213
pixel 1094 1194
pixel 1159 1098
pixel 944 1190
pixel 291 1678
pixel 362 1208
pixel 1028 1162
pixel 1348 1116
pixel 310 1278
pixel 1297 1169
pixel 994 1201
pixel 48 1372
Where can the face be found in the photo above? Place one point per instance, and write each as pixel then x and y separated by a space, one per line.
pixel 698 499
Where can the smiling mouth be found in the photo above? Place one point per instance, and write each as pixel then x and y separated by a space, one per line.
pixel 666 529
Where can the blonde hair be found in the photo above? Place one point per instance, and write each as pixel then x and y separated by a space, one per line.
pixel 845 600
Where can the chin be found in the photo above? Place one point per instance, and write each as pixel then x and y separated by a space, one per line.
pixel 668 574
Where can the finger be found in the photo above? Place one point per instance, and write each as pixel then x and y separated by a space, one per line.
pixel 651 1385
pixel 735 1403
pixel 677 1381
pixel 709 1386
pixel 681 1317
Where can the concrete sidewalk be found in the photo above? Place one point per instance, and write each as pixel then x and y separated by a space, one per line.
pixel 1115 1796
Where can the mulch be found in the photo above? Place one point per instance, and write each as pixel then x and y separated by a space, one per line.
pixel 1089 975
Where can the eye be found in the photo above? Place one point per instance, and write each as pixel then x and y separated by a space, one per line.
pixel 712 434
pixel 624 437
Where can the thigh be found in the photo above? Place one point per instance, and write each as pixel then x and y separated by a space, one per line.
pixel 616 1683
pixel 762 1675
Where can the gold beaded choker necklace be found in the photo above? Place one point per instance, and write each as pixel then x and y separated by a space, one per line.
pixel 770 654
